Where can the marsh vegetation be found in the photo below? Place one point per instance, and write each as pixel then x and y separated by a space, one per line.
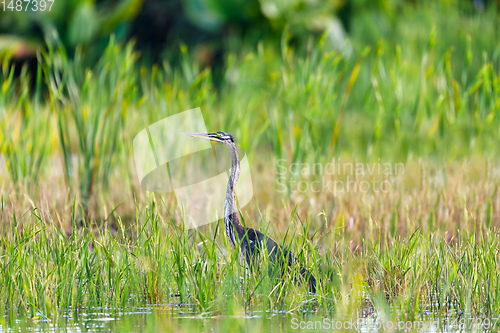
pixel 79 237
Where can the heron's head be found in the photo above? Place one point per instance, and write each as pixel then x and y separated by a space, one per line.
pixel 221 137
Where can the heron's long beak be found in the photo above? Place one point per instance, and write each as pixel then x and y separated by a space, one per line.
pixel 197 135
pixel 208 136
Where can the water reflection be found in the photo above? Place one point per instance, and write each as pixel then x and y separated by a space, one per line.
pixel 174 318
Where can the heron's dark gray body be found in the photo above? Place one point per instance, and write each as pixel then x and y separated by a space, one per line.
pixel 251 241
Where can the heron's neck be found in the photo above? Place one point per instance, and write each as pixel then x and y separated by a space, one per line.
pixel 232 220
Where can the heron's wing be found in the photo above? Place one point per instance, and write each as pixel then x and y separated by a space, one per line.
pixel 250 246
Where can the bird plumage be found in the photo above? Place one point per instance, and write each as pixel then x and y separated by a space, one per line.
pixel 251 242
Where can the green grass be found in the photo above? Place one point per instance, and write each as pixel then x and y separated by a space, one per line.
pixel 154 261
pixel 79 234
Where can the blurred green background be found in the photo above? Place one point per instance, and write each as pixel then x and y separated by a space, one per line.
pixel 218 27
pixel 301 80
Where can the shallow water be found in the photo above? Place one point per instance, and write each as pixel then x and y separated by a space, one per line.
pixel 146 320
pixel 175 319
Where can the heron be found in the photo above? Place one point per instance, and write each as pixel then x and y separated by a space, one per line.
pixel 250 241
